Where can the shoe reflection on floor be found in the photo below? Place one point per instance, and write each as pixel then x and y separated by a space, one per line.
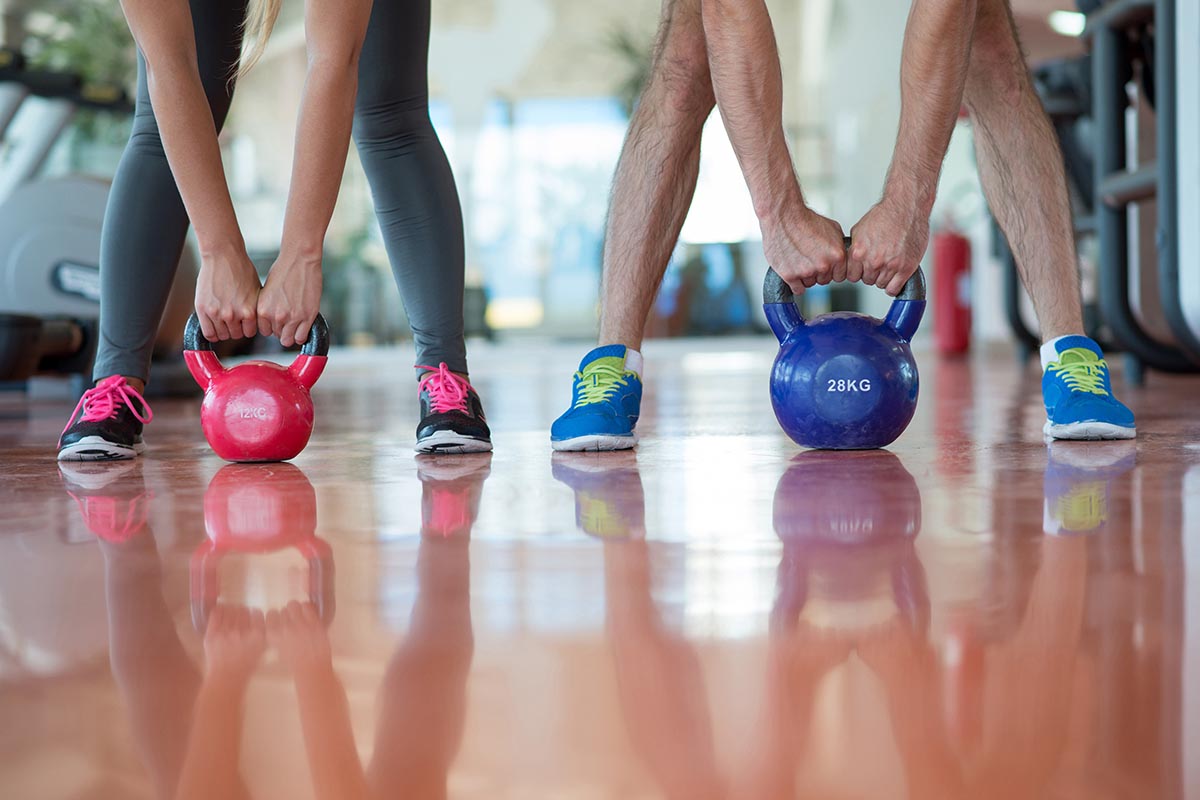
pixel 423 699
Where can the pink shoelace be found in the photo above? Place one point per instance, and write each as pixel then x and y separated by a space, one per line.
pixel 447 391
pixel 105 400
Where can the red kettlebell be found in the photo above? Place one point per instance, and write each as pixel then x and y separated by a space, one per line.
pixel 256 411
pixel 256 511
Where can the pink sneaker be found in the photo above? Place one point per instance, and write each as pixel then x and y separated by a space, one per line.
pixel 107 424
pixel 452 418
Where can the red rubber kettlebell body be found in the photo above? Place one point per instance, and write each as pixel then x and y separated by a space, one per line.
pixel 256 411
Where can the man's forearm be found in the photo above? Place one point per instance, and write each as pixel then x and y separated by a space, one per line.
pixel 748 83
pixel 933 69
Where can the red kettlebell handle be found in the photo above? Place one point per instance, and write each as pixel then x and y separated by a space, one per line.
pixel 205 366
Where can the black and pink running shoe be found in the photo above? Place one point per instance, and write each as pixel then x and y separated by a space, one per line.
pixel 452 419
pixel 107 424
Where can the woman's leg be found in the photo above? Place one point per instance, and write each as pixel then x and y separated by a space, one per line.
pixel 415 195
pixel 417 205
pixel 145 223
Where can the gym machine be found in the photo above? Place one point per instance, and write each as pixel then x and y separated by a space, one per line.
pixel 1183 307
pixel 50 238
pixel 1149 297
pixel 1122 33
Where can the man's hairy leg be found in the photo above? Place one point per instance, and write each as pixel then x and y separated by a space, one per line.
pixel 656 176
pixel 1021 167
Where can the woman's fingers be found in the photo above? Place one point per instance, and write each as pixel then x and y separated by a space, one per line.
pixel 249 325
pixel 207 326
pixel 300 329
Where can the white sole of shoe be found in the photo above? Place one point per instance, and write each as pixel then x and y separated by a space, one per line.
pixel 95 448
pixel 1088 431
pixel 596 443
pixel 451 443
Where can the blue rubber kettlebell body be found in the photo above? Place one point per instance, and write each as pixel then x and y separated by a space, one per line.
pixel 844 381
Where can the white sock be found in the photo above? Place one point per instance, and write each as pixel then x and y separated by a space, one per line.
pixel 1050 352
pixel 634 362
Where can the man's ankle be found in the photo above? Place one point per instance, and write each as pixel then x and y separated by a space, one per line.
pixel 623 337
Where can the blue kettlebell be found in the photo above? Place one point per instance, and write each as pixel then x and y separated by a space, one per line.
pixel 844 381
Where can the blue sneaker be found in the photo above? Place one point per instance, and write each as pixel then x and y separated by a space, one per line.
pixel 1078 394
pixel 607 400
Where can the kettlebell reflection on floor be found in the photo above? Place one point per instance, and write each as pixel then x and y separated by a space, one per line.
pixel 422 699
pixel 187 712
pixel 849 583
pixel 852 607
pixel 253 512
pixel 848 572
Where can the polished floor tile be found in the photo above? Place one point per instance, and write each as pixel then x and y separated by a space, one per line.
pixel 969 614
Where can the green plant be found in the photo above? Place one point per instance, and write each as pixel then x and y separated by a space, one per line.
pixel 92 40
pixel 89 38
pixel 638 55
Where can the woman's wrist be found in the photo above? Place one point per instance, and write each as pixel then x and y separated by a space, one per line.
pixel 302 252
pixel 224 246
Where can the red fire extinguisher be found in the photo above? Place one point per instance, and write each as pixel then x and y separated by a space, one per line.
pixel 951 292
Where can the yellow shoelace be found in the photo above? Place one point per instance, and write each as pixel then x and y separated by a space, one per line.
pixel 1082 370
pixel 597 383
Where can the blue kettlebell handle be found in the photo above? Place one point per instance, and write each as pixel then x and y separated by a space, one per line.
pixel 904 317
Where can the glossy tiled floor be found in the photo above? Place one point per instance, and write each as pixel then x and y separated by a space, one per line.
pixel 969 615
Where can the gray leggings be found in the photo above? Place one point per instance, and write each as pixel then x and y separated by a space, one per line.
pixel 415 197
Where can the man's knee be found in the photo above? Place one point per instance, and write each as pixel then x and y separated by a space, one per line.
pixel 686 89
pixel 681 79
pixel 997 73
